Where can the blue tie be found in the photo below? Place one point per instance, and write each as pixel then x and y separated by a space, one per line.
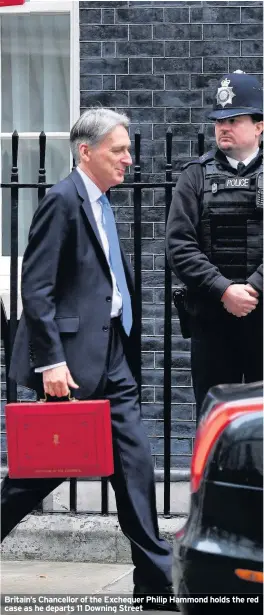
pixel 116 262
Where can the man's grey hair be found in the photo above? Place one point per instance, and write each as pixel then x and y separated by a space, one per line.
pixel 93 125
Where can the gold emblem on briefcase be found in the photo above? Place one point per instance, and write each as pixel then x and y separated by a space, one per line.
pixel 56 438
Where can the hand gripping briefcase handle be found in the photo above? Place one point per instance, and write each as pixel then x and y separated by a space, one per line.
pixel 45 398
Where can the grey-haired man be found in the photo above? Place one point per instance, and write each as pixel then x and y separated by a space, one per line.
pixel 77 322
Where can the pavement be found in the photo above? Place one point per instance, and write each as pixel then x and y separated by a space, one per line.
pixel 49 577
pixel 83 557
pixel 62 536
pixel 43 581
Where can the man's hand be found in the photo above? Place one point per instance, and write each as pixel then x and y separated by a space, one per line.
pixel 240 299
pixel 57 380
pixel 252 291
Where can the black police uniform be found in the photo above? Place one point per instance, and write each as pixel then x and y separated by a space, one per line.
pixel 214 235
pixel 214 238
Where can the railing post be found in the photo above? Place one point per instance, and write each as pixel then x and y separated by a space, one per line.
pixel 12 386
pixel 167 340
pixel 42 171
pixel 201 141
pixel 104 496
pixel 137 260
pixel 73 495
pixel 5 338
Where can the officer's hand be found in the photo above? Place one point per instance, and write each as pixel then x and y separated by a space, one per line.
pixel 252 291
pixel 57 380
pixel 238 301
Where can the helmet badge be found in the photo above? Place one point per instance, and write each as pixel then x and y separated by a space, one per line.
pixel 225 93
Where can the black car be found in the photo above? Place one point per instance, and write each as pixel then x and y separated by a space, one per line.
pixel 218 553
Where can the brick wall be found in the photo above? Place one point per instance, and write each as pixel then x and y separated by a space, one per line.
pixel 159 62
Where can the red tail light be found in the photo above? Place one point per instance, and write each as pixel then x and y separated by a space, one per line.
pixel 210 429
pixel 180 533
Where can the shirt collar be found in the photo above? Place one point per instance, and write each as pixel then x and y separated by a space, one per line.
pixel 94 193
pixel 233 162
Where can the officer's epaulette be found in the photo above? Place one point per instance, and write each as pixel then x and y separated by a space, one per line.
pixel 201 160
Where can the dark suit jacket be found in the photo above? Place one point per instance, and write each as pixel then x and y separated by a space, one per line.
pixel 66 291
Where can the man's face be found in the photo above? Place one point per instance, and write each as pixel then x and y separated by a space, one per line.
pixel 238 136
pixel 106 162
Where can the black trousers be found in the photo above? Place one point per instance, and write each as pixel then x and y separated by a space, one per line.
pixel 225 350
pixel 132 481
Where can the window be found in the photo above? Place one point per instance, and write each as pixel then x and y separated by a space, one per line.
pixel 39 44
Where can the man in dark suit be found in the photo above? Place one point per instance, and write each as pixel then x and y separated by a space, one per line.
pixel 75 326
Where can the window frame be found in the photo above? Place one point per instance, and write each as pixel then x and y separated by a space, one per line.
pixel 70 7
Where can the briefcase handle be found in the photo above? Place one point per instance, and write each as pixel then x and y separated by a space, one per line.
pixel 45 399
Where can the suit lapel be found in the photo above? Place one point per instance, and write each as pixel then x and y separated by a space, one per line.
pixel 128 271
pixel 87 208
pixel 86 205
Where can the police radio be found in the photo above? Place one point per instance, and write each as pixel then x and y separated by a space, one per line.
pixel 179 299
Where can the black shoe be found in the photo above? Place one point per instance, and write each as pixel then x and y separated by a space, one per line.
pixel 153 600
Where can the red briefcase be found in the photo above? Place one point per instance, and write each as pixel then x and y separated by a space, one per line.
pixel 59 439
pixel 11 2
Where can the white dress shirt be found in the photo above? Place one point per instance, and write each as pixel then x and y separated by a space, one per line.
pixel 94 194
pixel 233 162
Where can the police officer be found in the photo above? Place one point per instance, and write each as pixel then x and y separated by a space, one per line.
pixel 214 241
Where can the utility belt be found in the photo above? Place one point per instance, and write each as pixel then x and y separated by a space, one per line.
pixel 192 305
pixel 189 306
pixel 180 301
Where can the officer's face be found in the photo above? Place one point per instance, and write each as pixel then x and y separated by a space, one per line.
pixel 238 136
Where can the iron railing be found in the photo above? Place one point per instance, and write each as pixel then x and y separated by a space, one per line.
pixel 9 327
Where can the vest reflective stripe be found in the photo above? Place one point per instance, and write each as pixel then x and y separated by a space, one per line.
pixel 231 224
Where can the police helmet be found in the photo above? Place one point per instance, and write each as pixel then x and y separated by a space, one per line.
pixel 237 94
